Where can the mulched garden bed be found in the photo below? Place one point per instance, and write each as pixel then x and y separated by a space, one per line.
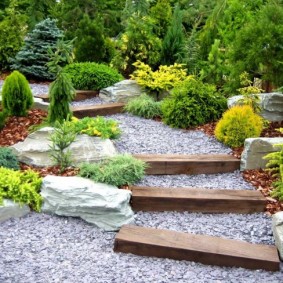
pixel 16 130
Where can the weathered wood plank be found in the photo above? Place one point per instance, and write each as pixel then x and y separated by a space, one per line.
pixel 95 110
pixel 169 164
pixel 197 200
pixel 199 248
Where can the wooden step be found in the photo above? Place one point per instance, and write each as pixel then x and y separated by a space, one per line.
pixel 80 95
pixel 199 248
pixel 169 164
pixel 98 110
pixel 197 200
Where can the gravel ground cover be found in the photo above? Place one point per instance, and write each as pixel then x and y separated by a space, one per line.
pixel 48 248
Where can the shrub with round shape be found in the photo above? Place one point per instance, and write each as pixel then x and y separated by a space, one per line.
pixel 237 124
pixel 17 97
pixel 192 103
pixel 92 76
pixel 8 159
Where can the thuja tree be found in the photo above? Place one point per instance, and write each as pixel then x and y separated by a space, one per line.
pixel 31 60
pixel 16 95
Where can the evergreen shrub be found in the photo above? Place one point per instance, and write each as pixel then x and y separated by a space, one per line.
pixel 17 97
pixel 21 187
pixel 144 106
pixel 192 103
pixel 237 124
pixel 117 171
pixel 8 159
pixel 3 119
pixel 92 76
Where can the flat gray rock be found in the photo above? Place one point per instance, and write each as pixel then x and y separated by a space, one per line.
pixel 103 205
pixel 254 151
pixel 270 103
pixel 277 228
pixel 120 92
pixel 35 149
pixel 10 209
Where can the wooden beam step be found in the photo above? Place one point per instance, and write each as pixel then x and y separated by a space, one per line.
pixel 95 110
pixel 199 248
pixel 170 164
pixel 197 200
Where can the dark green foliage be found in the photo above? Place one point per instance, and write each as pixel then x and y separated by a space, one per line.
pixel 21 187
pixel 8 159
pixel 17 97
pixel 174 40
pixel 3 118
pixel 90 43
pixel 191 104
pixel 92 76
pixel 117 171
pixel 61 93
pixel 144 106
pixel 31 60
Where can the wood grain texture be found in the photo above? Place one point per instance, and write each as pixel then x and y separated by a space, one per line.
pixel 95 110
pixel 170 164
pixel 199 248
pixel 197 200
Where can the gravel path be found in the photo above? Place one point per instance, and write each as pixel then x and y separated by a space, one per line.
pixel 45 248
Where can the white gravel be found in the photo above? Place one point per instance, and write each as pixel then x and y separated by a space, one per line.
pixel 45 248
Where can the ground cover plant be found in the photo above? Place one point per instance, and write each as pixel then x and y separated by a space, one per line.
pixel 8 159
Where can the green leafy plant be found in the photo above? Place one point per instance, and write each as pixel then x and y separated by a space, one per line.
pixel 62 137
pixel 17 97
pixel 192 103
pixel 164 79
pixel 144 106
pixel 237 124
pixel 117 171
pixel 249 93
pixel 92 76
pixel 61 93
pixel 8 159
pixel 21 187
pixel 98 126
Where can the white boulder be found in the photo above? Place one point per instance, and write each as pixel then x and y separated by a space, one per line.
pixel 10 209
pixel 277 228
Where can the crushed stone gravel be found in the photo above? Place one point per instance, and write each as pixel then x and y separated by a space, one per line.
pixel 47 248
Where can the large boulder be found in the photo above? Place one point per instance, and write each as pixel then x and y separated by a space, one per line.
pixel 121 92
pixel 10 209
pixel 277 228
pixel 35 149
pixel 38 103
pixel 270 103
pixel 254 151
pixel 102 205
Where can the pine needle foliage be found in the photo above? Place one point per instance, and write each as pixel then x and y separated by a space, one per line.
pixel 17 97
pixel 61 93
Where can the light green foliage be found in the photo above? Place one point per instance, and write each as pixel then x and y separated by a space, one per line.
pixel 138 42
pixel 92 76
pixel 8 159
pixel 31 60
pixel 250 93
pixel 174 40
pixel 192 103
pixel 61 93
pixel 237 124
pixel 62 137
pixel 275 165
pixel 21 187
pixel 13 29
pixel 163 79
pixel 17 97
pixel 99 126
pixel 144 106
pixel 117 171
